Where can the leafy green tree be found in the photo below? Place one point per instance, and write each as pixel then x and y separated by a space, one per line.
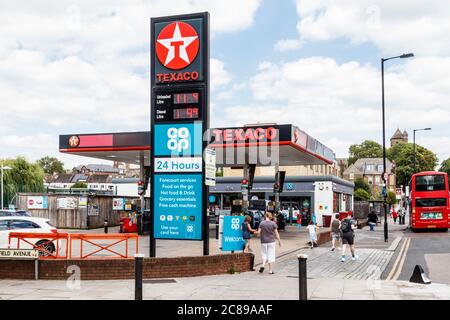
pixel 445 166
pixel 391 198
pixel 361 195
pixel 403 156
pixel 23 177
pixel 360 183
pixel 79 185
pixel 367 149
pixel 51 165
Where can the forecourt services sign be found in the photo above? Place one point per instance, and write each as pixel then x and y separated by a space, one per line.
pixel 179 119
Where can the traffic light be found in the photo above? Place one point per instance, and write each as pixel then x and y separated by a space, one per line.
pixel 276 187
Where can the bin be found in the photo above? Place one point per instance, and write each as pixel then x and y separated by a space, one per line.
pixel 326 221
pixel 128 225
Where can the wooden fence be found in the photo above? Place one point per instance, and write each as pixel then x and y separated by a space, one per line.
pixel 88 215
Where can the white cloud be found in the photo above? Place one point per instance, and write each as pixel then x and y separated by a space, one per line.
pixel 393 26
pixel 287 44
pixel 220 77
pixel 83 66
pixel 339 103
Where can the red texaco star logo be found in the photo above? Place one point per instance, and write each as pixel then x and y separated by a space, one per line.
pixel 74 141
pixel 177 45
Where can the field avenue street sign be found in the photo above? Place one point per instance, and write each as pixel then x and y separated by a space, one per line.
pixel 24 254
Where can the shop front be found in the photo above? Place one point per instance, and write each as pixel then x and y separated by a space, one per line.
pixel 314 197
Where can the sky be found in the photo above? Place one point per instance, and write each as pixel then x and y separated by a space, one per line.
pixel 83 67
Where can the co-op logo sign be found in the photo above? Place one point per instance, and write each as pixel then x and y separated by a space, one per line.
pixel 178 139
pixel 235 224
pixel 177 46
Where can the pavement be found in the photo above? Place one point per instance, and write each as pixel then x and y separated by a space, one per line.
pixel 283 285
pixel 292 240
pixel 327 277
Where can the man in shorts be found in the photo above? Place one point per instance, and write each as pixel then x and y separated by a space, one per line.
pixel 348 237
pixel 335 232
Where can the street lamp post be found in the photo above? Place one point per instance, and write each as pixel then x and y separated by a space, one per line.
pixel 1 170
pixel 406 55
pixel 414 144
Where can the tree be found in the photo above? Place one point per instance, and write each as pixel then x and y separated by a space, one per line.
pixel 445 166
pixel 51 165
pixel 361 195
pixel 367 149
pixel 79 185
pixel 23 177
pixel 391 198
pixel 360 183
pixel 403 156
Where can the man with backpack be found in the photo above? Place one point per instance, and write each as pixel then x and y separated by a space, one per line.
pixel 348 237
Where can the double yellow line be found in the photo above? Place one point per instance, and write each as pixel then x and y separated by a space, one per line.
pixel 400 261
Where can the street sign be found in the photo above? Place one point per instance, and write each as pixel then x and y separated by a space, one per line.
pixel 179 119
pixel 141 187
pixel 20 254
pixel 210 167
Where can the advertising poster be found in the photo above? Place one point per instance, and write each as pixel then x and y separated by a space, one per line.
pixel 178 213
pixel 93 209
pixel 37 202
pixel 118 204
pixel 82 202
pixel 232 233
pixel 210 167
pixel 67 203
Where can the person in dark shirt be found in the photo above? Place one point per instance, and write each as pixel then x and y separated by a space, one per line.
pixel 372 220
pixel 348 237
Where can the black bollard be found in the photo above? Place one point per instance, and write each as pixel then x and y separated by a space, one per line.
pixel 105 224
pixel 217 227
pixel 121 226
pixel 138 261
pixel 302 280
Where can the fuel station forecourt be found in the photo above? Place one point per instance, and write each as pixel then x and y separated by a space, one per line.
pixel 171 155
pixel 236 147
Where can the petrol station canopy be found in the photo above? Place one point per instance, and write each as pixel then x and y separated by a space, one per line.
pixel 257 144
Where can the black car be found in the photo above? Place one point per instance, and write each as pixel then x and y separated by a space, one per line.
pixel 14 213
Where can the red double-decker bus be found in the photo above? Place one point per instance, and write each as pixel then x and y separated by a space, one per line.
pixel 429 201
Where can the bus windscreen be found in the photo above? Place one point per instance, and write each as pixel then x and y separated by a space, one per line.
pixel 430 183
pixel 431 202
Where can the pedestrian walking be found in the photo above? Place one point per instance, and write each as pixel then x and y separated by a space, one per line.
pixel 247 232
pixel 268 231
pixel 312 228
pixel 395 215
pixel 348 237
pixel 401 215
pixel 299 220
pixel 372 220
pixel 335 232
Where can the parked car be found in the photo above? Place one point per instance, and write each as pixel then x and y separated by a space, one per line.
pixel 25 224
pixel 14 213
